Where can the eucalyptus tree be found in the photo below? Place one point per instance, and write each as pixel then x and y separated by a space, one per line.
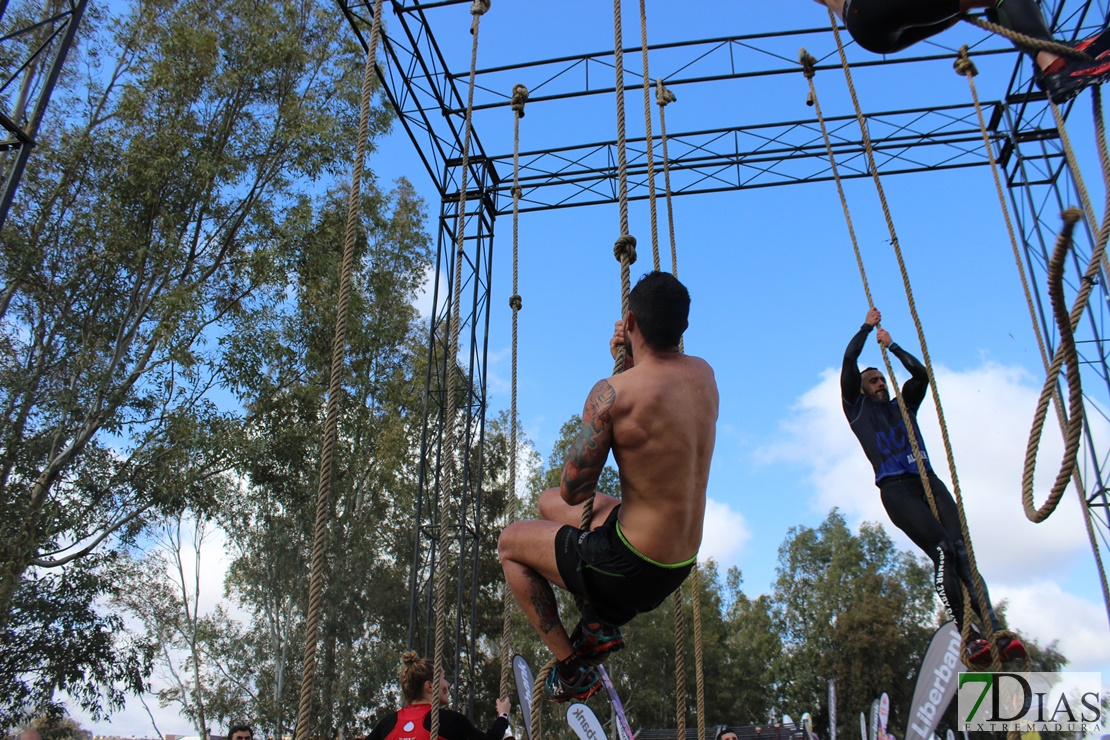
pixel 186 141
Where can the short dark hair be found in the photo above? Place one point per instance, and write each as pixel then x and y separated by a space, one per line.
pixel 661 306
pixel 880 372
pixel 239 728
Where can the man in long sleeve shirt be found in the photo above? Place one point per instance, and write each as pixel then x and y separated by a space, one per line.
pixel 877 422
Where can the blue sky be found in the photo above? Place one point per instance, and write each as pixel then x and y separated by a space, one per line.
pixel 776 296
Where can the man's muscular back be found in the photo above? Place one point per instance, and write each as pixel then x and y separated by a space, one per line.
pixel 664 421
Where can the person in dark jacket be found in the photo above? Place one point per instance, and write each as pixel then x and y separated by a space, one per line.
pixel 877 422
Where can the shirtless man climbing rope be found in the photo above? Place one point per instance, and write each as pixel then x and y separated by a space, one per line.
pixel 659 418
pixel 887 26
pixel 878 425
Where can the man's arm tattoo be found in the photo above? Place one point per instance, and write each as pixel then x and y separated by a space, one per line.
pixel 542 599
pixel 590 448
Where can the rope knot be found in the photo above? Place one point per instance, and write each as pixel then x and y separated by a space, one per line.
pixel 515 302
pixel 518 192
pixel 479 7
pixel 1071 215
pixel 625 248
pixel 663 94
pixel 963 64
pixel 520 97
pixel 808 62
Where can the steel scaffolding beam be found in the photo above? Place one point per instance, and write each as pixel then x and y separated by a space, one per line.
pixel 42 44
pixel 768 148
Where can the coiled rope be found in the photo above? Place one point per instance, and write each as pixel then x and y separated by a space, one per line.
pixel 964 66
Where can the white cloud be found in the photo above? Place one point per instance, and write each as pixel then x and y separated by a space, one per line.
pixel 724 535
pixel 424 294
pixel 133 720
pixel 1042 608
pixel 988 410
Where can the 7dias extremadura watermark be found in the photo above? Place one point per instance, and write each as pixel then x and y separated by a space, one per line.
pixel 1060 702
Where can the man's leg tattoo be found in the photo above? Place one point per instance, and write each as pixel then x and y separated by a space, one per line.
pixel 542 598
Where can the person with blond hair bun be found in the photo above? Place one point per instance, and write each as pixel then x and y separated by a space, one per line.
pixel 414 720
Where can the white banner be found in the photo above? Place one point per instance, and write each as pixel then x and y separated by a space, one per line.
pixel 522 672
pixel 936 683
pixel 584 722
pixel 832 710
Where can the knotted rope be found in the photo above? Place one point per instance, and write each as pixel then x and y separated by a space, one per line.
pixel 446 512
pixel 980 593
pixel 520 97
pixel 624 249
pixel 966 67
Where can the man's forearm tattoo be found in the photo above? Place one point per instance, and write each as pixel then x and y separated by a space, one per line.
pixel 542 599
pixel 590 448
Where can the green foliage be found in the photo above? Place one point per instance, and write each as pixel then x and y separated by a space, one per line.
pixel 56 639
pixel 165 190
pixel 849 608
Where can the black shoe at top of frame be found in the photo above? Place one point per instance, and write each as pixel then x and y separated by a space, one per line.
pixel 1078 75
pixel 1097 47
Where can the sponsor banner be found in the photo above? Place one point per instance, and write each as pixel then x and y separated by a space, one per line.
pixel 522 672
pixel 862 726
pixel 936 683
pixel 624 731
pixel 884 713
pixel 584 722
pixel 832 711
pixel 1030 702
pixel 874 720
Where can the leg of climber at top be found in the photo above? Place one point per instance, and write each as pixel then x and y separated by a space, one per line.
pixel 888 26
pixel 659 419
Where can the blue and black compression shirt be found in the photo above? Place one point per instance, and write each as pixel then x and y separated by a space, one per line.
pixel 879 426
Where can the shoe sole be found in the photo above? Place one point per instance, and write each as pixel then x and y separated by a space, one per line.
pixel 1091 81
pixel 599 655
pixel 576 696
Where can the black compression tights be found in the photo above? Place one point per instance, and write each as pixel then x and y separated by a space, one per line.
pixel 887 26
pixel 905 502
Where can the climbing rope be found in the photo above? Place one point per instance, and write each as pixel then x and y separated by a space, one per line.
pixel 1027 42
pixel 649 138
pixel 977 583
pixel 664 97
pixel 624 250
pixel 520 97
pixel 1066 355
pixel 446 512
pixel 966 67
pixel 335 389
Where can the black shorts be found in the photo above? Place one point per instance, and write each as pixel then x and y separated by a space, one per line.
pixel 887 26
pixel 615 580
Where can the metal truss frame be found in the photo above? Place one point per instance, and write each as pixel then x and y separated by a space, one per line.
pixel 428 97
pixel 43 45
pixel 1041 185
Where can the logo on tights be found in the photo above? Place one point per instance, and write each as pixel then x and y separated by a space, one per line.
pixel 938 582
